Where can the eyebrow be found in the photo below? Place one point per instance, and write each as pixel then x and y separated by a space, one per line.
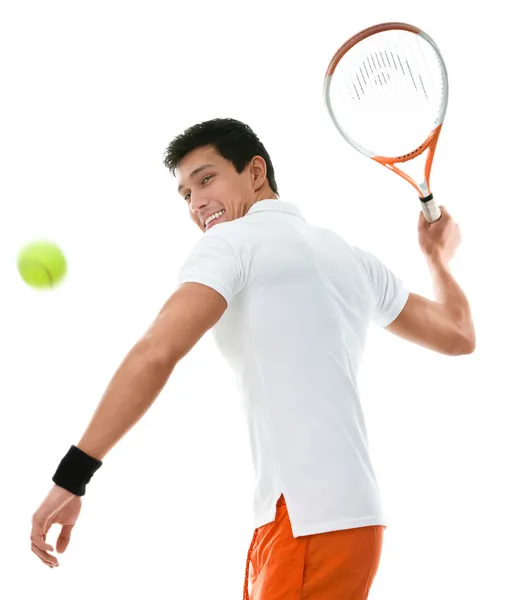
pixel 194 173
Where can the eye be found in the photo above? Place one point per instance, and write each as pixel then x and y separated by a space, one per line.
pixel 208 177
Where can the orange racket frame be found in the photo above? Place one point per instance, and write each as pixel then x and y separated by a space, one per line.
pixel 430 208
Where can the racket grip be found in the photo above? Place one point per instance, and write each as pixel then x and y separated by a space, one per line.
pixel 430 209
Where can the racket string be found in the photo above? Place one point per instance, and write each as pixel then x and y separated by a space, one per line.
pixel 387 93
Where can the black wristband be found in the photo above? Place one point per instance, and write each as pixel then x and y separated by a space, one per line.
pixel 75 470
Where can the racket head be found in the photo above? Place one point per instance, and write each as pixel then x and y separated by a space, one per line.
pixel 386 90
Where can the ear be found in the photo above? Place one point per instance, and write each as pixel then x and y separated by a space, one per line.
pixel 258 170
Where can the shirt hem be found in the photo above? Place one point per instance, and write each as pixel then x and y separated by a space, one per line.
pixel 327 526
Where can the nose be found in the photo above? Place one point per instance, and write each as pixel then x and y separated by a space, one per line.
pixel 197 203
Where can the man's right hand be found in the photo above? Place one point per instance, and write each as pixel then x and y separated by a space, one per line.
pixel 440 239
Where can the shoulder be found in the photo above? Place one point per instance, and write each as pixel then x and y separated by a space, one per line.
pixel 225 234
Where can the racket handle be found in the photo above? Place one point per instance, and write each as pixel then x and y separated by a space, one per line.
pixel 430 209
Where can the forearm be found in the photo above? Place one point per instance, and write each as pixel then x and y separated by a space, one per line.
pixel 448 293
pixel 132 390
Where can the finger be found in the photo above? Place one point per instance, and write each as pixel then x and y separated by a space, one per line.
pixel 38 539
pixel 48 559
pixel 43 559
pixel 39 533
pixel 64 538
pixel 42 554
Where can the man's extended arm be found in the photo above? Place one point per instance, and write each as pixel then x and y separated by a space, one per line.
pixel 191 311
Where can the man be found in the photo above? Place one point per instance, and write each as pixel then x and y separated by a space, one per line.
pixel 290 304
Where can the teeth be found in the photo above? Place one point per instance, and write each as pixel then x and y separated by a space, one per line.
pixel 214 216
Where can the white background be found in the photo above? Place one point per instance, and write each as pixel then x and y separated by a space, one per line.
pixel 91 95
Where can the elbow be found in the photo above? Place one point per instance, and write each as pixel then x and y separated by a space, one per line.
pixel 466 345
pixel 155 356
pixel 162 359
pixel 470 348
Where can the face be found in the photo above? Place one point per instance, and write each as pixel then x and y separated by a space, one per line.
pixel 209 184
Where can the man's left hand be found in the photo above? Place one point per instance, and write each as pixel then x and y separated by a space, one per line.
pixel 60 507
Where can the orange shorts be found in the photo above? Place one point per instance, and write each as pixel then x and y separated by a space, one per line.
pixel 324 566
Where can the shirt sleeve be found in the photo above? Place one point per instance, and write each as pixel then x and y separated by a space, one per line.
pixel 214 262
pixel 390 293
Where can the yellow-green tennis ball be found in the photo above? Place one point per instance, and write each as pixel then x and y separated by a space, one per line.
pixel 42 264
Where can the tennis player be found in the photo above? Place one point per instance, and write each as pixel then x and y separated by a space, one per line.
pixel 290 304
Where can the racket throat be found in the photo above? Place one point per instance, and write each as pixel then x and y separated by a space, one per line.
pixel 424 191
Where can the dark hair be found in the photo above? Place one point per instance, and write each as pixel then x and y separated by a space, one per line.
pixel 235 141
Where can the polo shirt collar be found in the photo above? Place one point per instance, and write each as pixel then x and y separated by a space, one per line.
pixel 276 205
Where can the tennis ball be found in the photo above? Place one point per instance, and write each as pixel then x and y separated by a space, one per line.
pixel 42 264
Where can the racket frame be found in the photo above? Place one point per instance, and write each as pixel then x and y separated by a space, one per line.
pixel 429 206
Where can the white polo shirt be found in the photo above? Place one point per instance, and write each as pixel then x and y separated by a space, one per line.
pixel 300 300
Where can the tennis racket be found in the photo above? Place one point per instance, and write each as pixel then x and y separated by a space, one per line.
pixel 386 90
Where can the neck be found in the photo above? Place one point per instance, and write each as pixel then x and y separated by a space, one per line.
pixel 266 195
